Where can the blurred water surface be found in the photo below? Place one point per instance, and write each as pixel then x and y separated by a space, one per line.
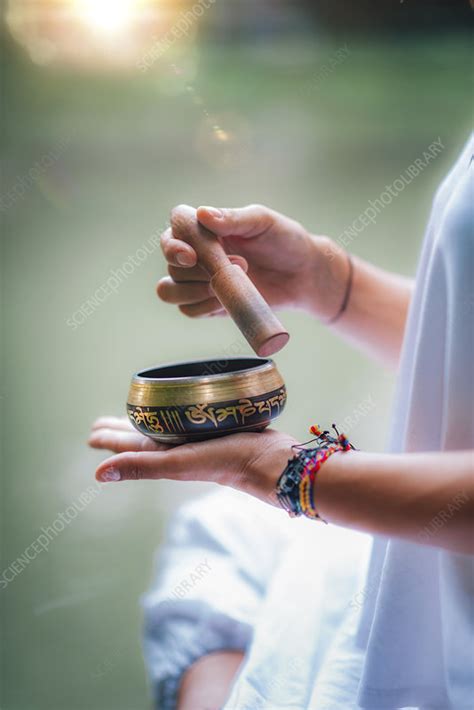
pixel 313 144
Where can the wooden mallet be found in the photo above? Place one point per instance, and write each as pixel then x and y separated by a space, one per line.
pixel 231 285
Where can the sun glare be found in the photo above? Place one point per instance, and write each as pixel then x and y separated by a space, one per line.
pixel 107 16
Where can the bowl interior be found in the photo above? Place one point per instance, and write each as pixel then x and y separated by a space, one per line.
pixel 203 368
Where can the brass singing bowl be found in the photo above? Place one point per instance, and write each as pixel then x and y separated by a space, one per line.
pixel 190 401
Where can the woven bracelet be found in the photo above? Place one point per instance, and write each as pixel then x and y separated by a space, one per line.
pixel 295 487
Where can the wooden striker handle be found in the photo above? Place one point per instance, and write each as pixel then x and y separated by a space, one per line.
pixel 241 299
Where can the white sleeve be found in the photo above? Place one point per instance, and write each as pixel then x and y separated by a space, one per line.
pixel 211 575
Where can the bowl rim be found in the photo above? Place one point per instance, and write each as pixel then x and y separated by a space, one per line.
pixel 141 378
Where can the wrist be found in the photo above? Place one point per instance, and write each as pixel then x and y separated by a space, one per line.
pixel 338 490
pixel 207 683
pixel 263 469
pixel 326 278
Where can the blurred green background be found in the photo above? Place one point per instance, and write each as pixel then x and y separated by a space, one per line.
pixel 314 145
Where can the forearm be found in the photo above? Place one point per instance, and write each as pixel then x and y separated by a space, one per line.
pixel 376 312
pixel 424 497
pixel 207 683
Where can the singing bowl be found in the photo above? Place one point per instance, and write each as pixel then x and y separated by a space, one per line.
pixel 191 401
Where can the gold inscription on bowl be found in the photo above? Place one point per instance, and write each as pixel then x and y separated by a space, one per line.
pixel 221 415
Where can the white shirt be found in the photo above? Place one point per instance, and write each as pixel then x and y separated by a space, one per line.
pixel 419 626
pixel 235 573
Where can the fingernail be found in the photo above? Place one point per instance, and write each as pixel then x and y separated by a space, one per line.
pixel 184 259
pixel 214 212
pixel 239 262
pixel 110 474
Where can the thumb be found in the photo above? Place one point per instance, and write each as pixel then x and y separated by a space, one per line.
pixel 247 221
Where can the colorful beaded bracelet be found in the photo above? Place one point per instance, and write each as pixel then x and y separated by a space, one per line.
pixel 295 487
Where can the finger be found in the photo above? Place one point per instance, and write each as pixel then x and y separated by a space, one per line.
pixel 113 423
pixel 239 261
pixel 135 466
pixel 176 251
pixel 249 221
pixel 119 441
pixel 215 460
pixel 183 293
pixel 209 307
pixel 196 273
